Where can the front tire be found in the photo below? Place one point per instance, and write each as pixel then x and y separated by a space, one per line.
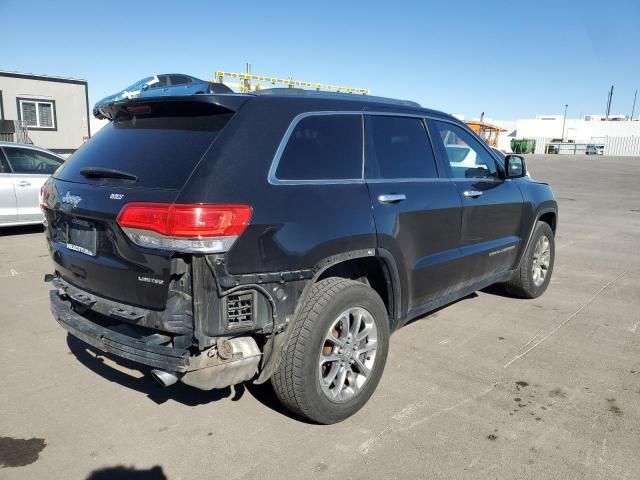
pixel 336 353
pixel 532 277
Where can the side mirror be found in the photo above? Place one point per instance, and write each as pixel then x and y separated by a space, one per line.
pixel 145 87
pixel 515 166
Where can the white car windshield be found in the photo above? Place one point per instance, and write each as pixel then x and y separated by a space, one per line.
pixel 140 83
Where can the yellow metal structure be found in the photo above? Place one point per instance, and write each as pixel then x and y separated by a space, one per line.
pixel 489 133
pixel 244 85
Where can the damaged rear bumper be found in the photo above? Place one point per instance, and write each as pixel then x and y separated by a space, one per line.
pixel 229 362
pixel 108 340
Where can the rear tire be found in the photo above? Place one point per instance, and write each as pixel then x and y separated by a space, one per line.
pixel 336 353
pixel 532 277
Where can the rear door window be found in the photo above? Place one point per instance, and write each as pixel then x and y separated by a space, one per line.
pixel 399 148
pixel 323 147
pixel 27 161
pixel 160 151
pixel 179 80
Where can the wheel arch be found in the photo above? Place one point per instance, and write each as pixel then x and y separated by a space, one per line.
pixel 378 271
pixel 547 215
pixel 369 262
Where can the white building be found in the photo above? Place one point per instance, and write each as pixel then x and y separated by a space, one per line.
pixel 51 112
pixel 620 137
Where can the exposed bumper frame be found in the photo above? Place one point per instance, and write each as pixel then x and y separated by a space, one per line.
pixel 107 340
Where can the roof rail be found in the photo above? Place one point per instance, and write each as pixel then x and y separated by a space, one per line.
pixel 299 92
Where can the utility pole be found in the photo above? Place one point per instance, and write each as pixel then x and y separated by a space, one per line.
pixel 246 83
pixel 606 117
pixel 564 120
pixel 633 109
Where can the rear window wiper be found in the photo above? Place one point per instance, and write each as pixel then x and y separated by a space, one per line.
pixel 99 172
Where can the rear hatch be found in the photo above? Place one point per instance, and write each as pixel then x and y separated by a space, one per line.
pixel 146 154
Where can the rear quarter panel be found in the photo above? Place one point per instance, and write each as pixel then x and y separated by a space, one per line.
pixel 292 226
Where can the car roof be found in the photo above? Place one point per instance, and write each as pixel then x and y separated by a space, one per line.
pixel 181 74
pixel 319 100
pixel 299 92
pixel 367 101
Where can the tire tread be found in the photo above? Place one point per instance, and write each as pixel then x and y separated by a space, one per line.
pixel 287 379
pixel 521 283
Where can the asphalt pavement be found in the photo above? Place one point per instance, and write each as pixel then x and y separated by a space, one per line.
pixel 488 387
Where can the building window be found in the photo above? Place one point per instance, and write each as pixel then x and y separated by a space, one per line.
pixel 37 114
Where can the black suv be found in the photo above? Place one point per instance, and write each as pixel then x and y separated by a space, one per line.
pixel 283 235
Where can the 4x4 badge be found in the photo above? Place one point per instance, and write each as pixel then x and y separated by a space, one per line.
pixel 72 200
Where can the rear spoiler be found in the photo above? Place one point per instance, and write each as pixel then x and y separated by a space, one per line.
pixel 200 104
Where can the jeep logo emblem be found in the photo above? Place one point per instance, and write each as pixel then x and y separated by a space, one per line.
pixel 72 200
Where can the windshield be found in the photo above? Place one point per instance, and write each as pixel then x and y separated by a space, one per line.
pixel 140 83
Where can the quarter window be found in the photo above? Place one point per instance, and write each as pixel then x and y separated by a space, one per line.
pixel 37 113
pixel 467 157
pixel 323 147
pixel 400 148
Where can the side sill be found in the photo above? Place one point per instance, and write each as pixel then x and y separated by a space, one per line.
pixel 420 310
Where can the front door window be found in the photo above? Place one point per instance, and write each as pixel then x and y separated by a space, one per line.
pixel 467 157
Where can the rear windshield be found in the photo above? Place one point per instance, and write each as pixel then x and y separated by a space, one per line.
pixel 160 151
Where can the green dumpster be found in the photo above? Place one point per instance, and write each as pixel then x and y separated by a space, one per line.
pixel 525 145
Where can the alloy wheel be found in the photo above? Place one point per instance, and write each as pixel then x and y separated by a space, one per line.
pixel 348 354
pixel 541 260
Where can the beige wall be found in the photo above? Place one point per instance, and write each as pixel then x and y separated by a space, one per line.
pixel 70 108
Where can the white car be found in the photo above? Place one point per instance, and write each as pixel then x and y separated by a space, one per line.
pixel 463 156
pixel 23 171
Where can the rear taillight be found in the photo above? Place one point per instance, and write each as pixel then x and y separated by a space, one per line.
pixel 184 228
pixel 42 198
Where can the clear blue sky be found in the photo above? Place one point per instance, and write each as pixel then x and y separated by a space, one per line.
pixel 510 59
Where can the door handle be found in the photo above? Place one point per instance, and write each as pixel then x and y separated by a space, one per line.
pixel 472 193
pixel 24 183
pixel 392 198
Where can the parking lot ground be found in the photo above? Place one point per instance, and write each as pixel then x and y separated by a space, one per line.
pixel 488 387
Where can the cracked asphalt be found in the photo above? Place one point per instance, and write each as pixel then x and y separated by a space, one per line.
pixel 488 387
